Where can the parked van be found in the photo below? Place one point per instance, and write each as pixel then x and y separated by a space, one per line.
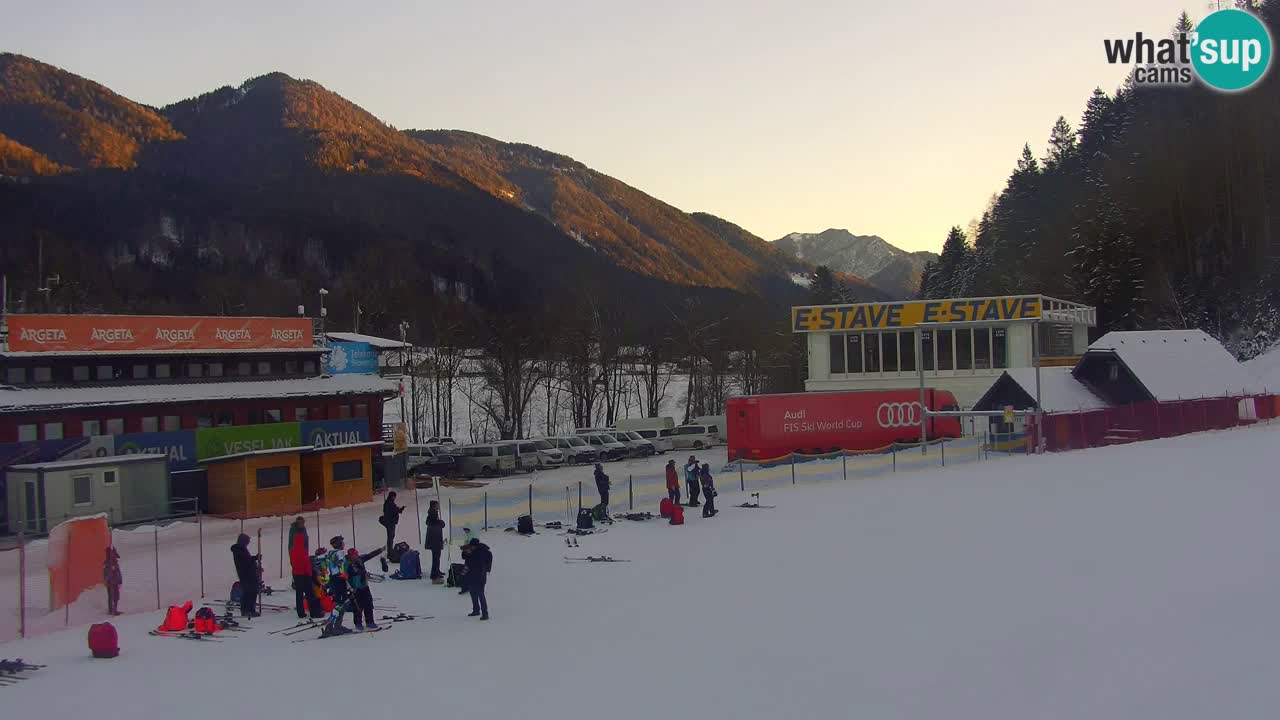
pixel 575 449
pixel 607 447
pixel 639 446
pixel 535 454
pixel 485 460
pixel 718 421
pixel 694 437
pixel 658 423
pixel 661 439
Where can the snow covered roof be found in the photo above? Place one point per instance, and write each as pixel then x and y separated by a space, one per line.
pixel 89 462
pixel 377 342
pixel 20 399
pixel 1060 391
pixel 1177 364
pixel 1265 370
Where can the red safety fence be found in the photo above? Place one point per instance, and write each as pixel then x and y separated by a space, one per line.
pixel 1151 420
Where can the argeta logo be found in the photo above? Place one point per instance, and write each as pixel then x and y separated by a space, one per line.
pixel 111 335
pixel 40 336
pixel 1231 50
pixel 176 335
pixel 239 335
pixel 285 335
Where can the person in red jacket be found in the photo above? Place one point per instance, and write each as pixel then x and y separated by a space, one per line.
pixel 673 482
pixel 300 564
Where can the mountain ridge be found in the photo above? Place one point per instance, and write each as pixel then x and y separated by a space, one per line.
pixel 881 264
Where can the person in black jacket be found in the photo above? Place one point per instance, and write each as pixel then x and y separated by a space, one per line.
pixel 247 574
pixel 602 485
pixel 479 563
pixel 390 516
pixel 435 538
pixel 708 491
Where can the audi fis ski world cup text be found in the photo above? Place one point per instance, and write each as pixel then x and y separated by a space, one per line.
pixel 794 421
pixel 1229 50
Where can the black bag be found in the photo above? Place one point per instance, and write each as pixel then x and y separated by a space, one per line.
pixel 454 579
pixel 396 551
pixel 524 525
pixel 382 520
pixel 584 519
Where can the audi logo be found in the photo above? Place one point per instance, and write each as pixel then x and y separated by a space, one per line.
pixel 898 415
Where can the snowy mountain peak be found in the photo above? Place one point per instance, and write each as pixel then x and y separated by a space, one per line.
pixel 885 266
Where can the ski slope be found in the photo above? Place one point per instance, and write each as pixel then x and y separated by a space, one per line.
pixel 1124 582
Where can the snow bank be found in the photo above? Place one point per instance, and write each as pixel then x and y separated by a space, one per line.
pixel 1265 370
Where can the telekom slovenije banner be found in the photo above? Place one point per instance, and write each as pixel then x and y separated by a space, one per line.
pixel 51 333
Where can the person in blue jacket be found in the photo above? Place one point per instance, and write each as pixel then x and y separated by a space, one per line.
pixel 691 480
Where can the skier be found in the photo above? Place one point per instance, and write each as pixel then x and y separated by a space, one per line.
pixel 112 578
pixel 247 573
pixel 479 564
pixel 673 482
pixel 708 491
pixel 300 564
pixel 435 539
pixel 362 596
pixel 336 565
pixel 466 550
pixel 602 485
pixel 390 516
pixel 691 480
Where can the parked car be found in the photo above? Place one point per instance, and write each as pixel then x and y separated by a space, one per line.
pixel 640 447
pixel 485 460
pixel 607 447
pixel 575 449
pixel 430 460
pixel 694 437
pixel 661 439
pixel 535 454
pixel 442 440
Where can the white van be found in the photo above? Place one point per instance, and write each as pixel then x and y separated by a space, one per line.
pixel 535 454
pixel 718 421
pixel 661 439
pixel 485 460
pixel 694 437
pixel 658 423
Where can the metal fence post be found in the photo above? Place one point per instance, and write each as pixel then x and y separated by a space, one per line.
pixel 844 466
pixel 200 537
pixel 22 582
pixel 353 525
pixel 530 501
pixel 66 582
pixel 155 533
pixel 579 496
pixel 631 494
pixel 944 452
pixel 793 468
pixel 742 477
pixel 282 546
pixel 485 526
pixel 893 450
pixel 450 543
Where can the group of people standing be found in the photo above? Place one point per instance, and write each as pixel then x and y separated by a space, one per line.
pixel 477 557
pixel 698 480
pixel 338 575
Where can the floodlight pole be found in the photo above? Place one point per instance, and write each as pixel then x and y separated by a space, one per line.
pixel 924 410
pixel 1035 356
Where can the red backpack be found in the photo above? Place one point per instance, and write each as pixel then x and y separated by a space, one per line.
pixel 664 507
pixel 103 641
pixel 677 514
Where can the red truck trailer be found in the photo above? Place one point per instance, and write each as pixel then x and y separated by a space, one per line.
pixel 761 427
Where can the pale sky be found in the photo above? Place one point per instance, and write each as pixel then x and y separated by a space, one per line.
pixel 898 119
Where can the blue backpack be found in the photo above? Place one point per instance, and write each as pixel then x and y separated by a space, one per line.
pixel 410 566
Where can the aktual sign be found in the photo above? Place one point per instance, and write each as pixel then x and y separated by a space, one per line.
pixel 889 316
pixel 179 445
pixel 349 358
pixel 54 333
pixel 331 433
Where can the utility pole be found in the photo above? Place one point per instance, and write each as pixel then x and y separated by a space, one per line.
pixel 404 331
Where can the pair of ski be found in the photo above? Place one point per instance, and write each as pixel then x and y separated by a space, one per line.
pixel 756 505
pixel 594 559
pixel 186 635
pixel 322 636
pixel 580 533
pixel 10 669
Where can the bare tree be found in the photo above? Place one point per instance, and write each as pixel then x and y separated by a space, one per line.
pixel 511 368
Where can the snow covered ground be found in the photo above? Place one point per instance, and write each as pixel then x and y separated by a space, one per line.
pixel 1265 370
pixel 1123 582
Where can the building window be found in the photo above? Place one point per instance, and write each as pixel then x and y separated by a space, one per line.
pixel 274 477
pixel 82 490
pixel 264 367
pixel 274 416
pixel 255 417
pixel 964 348
pixel 115 426
pixel 309 367
pixel 225 419
pixel 162 370
pixel 215 369
pixel 290 367
pixel 300 414
pixel 946 351
pixel 151 424
pixel 204 421
pixel 999 348
pixel 982 348
pixel 1113 371
pixel 28 433
pixel 348 470
pixel 836 343
pixel 889 351
pixel 80 373
pixel 43 374
pixel 106 372
pixel 907 351
pixel 53 431
pixel 172 423
pixel 362 410
pixel 90 428
pixel 108 477
pixel 140 372
pixel 853 352
pixel 927 353
pixel 871 348
pixel 344 412
pixel 244 368
pixel 195 370
pixel 15 375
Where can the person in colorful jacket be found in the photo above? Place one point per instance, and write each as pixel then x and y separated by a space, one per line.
pixel 336 567
pixel 112 578
pixel 362 596
pixel 673 482
pixel 300 565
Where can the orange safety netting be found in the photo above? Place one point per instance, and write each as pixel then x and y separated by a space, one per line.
pixel 77 549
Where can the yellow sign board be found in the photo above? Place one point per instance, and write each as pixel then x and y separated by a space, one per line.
pixel 1008 414
pixel 888 316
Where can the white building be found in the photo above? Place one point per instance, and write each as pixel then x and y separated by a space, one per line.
pixel 966 344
